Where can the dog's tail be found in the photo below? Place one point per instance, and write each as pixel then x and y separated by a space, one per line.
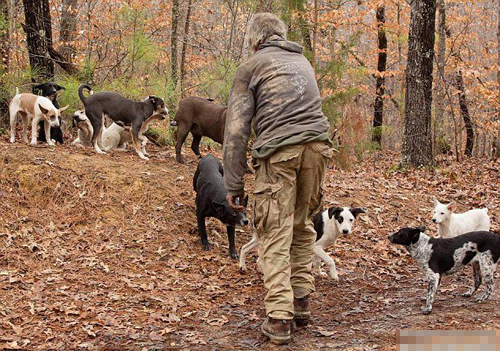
pixel 17 91
pixel 80 92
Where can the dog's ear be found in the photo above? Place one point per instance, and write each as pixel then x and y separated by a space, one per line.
pixel 37 88
pixel 334 211
pixel 152 99
pixel 44 110
pixel 63 109
pixel 450 206
pixel 422 229
pixel 356 211
pixel 414 235
pixel 435 201
pixel 219 208
pixel 59 87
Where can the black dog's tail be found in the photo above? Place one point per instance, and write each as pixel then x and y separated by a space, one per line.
pixel 80 92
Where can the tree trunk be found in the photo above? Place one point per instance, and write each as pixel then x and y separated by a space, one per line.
pixel 440 88
pixel 38 30
pixel 378 112
pixel 184 47
pixel 68 28
pixel 173 44
pixel 464 110
pixel 417 138
pixel 315 35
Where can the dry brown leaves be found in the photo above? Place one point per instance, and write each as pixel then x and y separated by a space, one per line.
pixel 102 253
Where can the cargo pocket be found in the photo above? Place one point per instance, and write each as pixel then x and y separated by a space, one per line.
pixel 266 212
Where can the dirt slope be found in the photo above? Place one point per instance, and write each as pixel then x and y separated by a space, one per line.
pixel 102 253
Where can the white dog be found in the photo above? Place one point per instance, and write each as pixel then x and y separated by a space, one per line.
pixel 328 225
pixel 115 137
pixel 452 224
pixel 35 108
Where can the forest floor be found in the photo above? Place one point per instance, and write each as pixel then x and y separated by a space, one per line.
pixel 101 252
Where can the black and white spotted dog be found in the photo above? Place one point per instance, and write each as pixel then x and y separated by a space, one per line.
pixel 329 225
pixel 438 256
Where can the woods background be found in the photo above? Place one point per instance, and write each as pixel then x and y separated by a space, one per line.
pixel 359 49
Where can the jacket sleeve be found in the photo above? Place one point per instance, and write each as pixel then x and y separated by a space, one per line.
pixel 240 113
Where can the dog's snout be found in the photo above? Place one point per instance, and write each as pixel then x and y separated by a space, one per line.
pixel 434 220
pixel 245 221
pixel 345 231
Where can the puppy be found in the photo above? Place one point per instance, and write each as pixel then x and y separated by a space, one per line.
pixel 438 256
pixel 85 129
pixel 49 90
pixel 120 109
pixel 211 201
pixel 452 224
pixel 329 225
pixel 35 108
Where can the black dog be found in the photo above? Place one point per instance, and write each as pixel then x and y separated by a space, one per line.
pixel 439 256
pixel 120 109
pixel 49 90
pixel 211 201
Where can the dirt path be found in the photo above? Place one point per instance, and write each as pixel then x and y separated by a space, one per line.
pixel 102 253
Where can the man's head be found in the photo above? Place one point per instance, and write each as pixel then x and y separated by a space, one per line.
pixel 262 27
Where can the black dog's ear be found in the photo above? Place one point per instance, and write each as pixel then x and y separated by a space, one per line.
pixel 219 208
pixel 334 211
pixel 422 229
pixel 36 88
pixel 415 235
pixel 356 211
pixel 152 99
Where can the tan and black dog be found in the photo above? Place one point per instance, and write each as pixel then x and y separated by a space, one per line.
pixel 120 109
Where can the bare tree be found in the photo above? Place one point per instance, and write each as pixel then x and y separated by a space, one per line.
pixel 68 28
pixel 173 43
pixel 378 110
pixel 417 138
pixel 464 110
pixel 440 81
pixel 39 38
pixel 184 46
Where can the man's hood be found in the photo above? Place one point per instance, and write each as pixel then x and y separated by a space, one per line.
pixel 279 42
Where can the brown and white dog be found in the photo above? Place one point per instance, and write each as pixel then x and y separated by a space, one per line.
pixel 34 108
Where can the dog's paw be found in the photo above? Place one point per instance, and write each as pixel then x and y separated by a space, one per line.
pixel 334 275
pixel 33 143
pixel 206 247
pixel 426 310
pixel 323 274
pixel 243 268
pixel 12 140
pixel 234 255
pixel 482 298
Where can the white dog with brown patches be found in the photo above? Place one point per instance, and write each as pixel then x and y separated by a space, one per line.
pixel 452 224
pixel 34 108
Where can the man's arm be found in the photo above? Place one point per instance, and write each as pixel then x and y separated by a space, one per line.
pixel 240 113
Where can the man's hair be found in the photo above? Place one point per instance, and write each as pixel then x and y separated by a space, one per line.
pixel 263 26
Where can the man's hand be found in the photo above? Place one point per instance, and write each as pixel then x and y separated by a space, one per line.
pixel 235 201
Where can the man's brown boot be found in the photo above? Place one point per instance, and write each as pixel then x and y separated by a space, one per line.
pixel 302 311
pixel 277 330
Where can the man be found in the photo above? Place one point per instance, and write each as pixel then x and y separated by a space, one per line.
pixel 277 90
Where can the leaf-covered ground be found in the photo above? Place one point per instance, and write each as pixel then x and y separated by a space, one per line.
pixel 102 253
